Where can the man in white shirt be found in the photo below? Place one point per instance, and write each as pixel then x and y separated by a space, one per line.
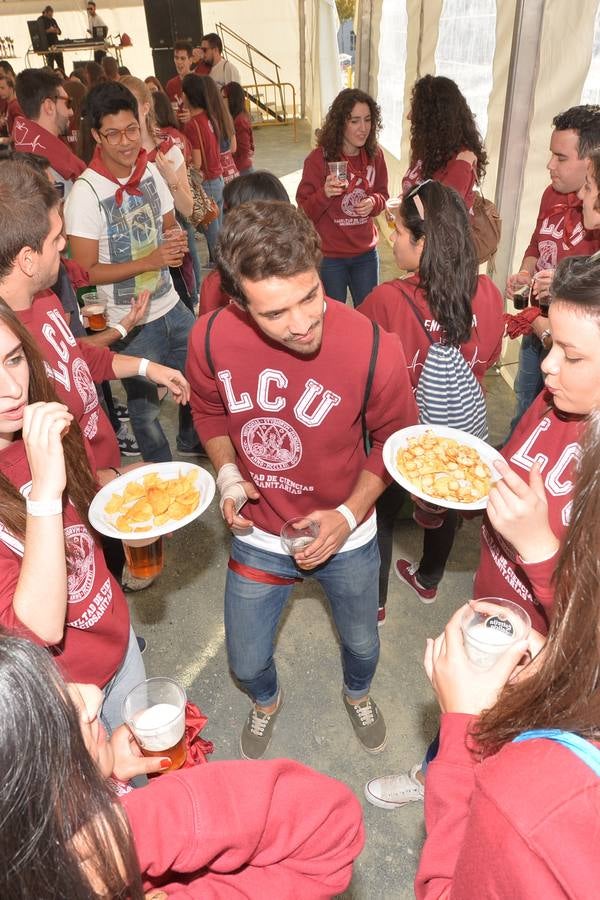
pixel 120 221
pixel 221 70
pixel 94 20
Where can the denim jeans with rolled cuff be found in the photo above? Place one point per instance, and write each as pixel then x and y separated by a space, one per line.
pixel 253 610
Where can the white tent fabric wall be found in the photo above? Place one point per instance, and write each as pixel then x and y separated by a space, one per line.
pixel 323 73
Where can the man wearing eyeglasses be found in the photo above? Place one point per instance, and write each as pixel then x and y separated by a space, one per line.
pixel 46 115
pixel 121 226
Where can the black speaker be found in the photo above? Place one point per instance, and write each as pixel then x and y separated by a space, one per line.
pixel 37 33
pixel 173 20
pixel 164 67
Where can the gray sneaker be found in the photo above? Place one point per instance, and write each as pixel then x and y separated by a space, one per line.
pixel 368 723
pixel 258 731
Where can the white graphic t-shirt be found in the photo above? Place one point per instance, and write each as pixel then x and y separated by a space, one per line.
pixel 124 233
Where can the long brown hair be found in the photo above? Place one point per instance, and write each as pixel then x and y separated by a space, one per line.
pixel 331 135
pixel 60 822
pixel 441 125
pixel 217 109
pixel 81 486
pixel 563 690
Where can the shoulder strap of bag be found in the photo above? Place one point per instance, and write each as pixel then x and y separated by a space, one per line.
pixel 418 315
pixel 369 385
pixel 585 750
pixel 201 148
pixel 207 352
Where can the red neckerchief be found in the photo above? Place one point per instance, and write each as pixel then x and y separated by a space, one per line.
pixel 571 207
pixel 165 145
pixel 357 168
pixel 29 137
pixel 97 164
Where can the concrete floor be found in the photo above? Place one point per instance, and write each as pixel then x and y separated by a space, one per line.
pixel 181 618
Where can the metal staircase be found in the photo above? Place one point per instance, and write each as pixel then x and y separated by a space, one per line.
pixel 271 100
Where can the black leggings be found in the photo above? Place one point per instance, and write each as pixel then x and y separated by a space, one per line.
pixel 437 542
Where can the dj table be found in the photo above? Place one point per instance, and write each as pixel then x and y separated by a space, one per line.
pixel 75 46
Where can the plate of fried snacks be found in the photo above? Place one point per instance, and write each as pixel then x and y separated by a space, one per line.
pixel 444 466
pixel 152 500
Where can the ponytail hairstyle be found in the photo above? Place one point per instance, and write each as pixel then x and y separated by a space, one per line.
pixel 448 269
pixel 81 485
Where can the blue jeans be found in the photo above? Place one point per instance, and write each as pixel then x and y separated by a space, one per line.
pixel 529 380
pixel 214 189
pixel 359 273
pixel 253 610
pixel 163 341
pixel 130 673
pixel 195 255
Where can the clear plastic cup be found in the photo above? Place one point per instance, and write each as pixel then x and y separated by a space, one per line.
pixel 392 206
pixel 490 627
pixel 155 713
pixel 298 533
pixel 94 311
pixel 339 170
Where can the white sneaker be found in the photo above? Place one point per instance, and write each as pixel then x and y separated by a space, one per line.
pixel 393 791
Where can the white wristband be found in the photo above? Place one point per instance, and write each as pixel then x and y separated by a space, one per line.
pixel 348 515
pixel 44 507
pixel 143 367
pixel 120 328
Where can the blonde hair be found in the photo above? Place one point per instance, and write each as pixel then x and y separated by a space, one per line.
pixel 142 93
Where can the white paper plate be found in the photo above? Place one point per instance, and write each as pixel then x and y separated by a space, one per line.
pixel 399 441
pixel 105 523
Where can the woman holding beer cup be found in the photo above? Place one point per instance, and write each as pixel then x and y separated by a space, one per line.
pixel 344 187
pixel 55 586
pixel 513 796
pixel 272 829
pixel 529 508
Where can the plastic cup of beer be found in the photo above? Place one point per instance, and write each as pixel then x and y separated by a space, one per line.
pixel 155 713
pixel 94 310
pixel 392 208
pixel 490 626
pixel 144 558
pixel 298 533
pixel 339 170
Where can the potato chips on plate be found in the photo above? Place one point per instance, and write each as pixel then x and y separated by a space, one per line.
pixel 441 465
pixel 152 500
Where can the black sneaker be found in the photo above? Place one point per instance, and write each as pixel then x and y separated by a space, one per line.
pixel 121 412
pixel 127 443
pixel 198 450
pixel 258 731
pixel 368 723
